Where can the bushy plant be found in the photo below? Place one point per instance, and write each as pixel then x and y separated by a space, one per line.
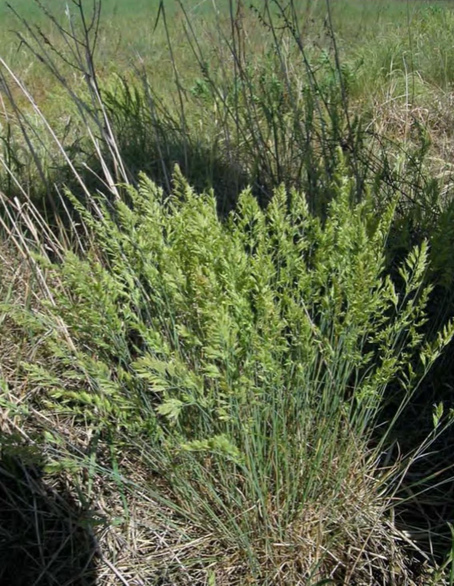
pixel 245 363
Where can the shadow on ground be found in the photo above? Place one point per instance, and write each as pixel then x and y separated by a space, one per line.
pixel 44 535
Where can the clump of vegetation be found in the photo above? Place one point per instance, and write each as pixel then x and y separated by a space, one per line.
pixel 245 363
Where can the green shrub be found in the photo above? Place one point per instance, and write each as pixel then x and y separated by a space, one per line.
pixel 245 363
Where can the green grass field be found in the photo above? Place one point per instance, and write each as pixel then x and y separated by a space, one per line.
pixel 227 293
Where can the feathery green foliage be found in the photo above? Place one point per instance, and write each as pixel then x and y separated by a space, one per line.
pixel 242 357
